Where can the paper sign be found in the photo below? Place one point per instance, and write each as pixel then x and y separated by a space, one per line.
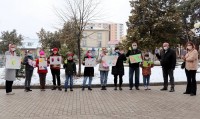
pixel 90 62
pixel 13 62
pixel 135 58
pixel 42 64
pixel 32 63
pixel 55 60
pixel 147 63
pixel 109 60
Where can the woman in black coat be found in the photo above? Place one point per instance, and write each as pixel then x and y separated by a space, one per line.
pixel 88 72
pixel 118 69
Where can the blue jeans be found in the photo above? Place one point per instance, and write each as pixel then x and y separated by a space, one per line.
pixel 146 80
pixel 103 77
pixel 137 74
pixel 85 80
pixel 69 77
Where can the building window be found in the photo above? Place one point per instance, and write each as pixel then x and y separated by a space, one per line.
pixel 99 36
pixel 99 43
pixel 84 43
pixel 30 44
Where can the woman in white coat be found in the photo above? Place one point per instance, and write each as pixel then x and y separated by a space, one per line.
pixel 10 74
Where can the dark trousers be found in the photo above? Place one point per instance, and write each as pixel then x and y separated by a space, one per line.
pixel 170 73
pixel 9 86
pixel 56 75
pixel 29 74
pixel 42 80
pixel 191 81
pixel 120 80
pixel 137 74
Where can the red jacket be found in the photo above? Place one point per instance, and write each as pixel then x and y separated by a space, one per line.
pixel 39 70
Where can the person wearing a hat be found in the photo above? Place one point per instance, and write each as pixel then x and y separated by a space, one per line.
pixel 146 65
pixel 55 70
pixel 70 70
pixel 103 69
pixel 88 71
pixel 118 69
pixel 42 70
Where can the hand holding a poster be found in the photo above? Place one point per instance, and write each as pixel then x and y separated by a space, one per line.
pixel 109 61
pixel 55 60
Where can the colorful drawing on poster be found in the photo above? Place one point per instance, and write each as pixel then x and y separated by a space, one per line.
pixel 32 63
pixel 55 60
pixel 147 63
pixel 109 61
pixel 90 62
pixel 135 58
pixel 42 64
pixel 13 62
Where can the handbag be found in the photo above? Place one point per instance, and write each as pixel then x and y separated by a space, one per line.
pixel 183 65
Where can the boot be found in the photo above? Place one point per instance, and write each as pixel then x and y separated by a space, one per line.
pixel 105 88
pixel 71 89
pixel 172 89
pixel 89 88
pixel 163 89
pixel 83 88
pixel 54 88
pixel 102 87
pixel 29 89
pixel 26 90
pixel 120 88
pixel 115 88
pixel 59 88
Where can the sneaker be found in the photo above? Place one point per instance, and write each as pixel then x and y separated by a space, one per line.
pixel 172 90
pixel 102 87
pixel 29 89
pixel 60 89
pixel 192 94
pixel 89 88
pixel 163 89
pixel 137 88
pixel 120 88
pixel 25 90
pixel 186 93
pixel 10 93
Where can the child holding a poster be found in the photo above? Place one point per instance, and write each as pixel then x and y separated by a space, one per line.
pixel 70 70
pixel 89 69
pixel 146 65
pixel 41 63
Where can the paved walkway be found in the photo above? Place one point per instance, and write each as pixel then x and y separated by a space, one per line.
pixel 99 104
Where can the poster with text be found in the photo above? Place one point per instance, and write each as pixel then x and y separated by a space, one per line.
pixel 13 62
pixel 55 60
pixel 42 64
pixel 90 62
pixel 109 60
pixel 135 58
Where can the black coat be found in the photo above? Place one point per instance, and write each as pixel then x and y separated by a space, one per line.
pixel 133 52
pixel 25 62
pixel 167 59
pixel 70 68
pixel 119 68
pixel 88 71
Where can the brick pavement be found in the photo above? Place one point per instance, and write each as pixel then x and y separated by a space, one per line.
pixel 99 104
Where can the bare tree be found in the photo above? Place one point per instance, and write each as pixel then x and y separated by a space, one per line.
pixel 80 12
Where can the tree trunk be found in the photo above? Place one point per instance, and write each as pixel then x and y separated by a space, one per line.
pixel 79 58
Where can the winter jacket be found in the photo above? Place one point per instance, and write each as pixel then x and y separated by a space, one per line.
pixel 56 67
pixel 147 70
pixel 101 67
pixel 133 52
pixel 41 71
pixel 70 67
pixel 10 74
pixel 25 62
pixel 191 60
pixel 88 71
pixel 167 59
pixel 118 69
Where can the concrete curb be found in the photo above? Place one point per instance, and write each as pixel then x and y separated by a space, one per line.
pixel 97 85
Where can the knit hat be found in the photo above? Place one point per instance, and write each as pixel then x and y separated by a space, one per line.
pixel 55 49
pixel 70 54
pixel 42 52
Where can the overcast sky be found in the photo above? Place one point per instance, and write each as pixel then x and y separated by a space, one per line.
pixel 29 16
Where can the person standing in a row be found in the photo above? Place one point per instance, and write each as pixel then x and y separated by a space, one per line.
pixel 10 74
pixel 55 70
pixel 191 66
pixel 134 67
pixel 28 70
pixel 167 59
pixel 118 69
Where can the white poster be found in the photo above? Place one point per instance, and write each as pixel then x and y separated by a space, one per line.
pixel 55 60
pixel 42 64
pixel 90 62
pixel 13 62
